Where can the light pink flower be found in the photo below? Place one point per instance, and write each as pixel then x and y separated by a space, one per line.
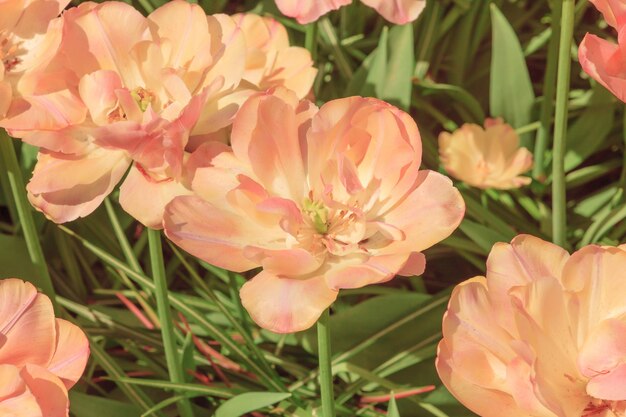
pixel 145 94
pixel 270 61
pixel 605 61
pixel 320 199
pixel 544 334
pixel 395 11
pixel 485 158
pixel 40 357
pixel 29 36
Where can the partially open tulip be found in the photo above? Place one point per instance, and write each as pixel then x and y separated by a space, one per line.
pixel 396 11
pixel 270 61
pixel 28 39
pixel 41 357
pixel 543 334
pixel 320 199
pixel 603 60
pixel 485 158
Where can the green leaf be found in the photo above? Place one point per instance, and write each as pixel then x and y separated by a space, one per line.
pixel 250 401
pixel 589 132
pixel 83 405
pixel 393 408
pixel 483 236
pixel 15 261
pixel 387 73
pixel 511 93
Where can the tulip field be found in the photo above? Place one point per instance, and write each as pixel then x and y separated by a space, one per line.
pixel 313 208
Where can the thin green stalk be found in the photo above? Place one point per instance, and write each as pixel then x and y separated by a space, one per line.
pixel 7 152
pixel 121 237
pixel 560 124
pixel 174 362
pixel 326 372
pixel 547 107
pixel 310 39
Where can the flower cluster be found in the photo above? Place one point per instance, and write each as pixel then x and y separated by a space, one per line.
pixel 126 91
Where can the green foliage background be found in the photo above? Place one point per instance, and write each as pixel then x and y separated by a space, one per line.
pixel 461 61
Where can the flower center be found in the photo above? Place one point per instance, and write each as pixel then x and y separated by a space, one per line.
pixel 597 407
pixel 8 52
pixel 318 213
pixel 143 97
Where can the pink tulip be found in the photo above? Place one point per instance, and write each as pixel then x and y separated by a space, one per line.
pixel 396 11
pixel 320 199
pixel 270 61
pixel 605 61
pixel 41 357
pixel 544 334
pixel 485 158
pixel 29 35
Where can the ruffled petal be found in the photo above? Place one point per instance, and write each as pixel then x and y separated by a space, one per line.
pixel 284 305
pixel 71 353
pixel 66 187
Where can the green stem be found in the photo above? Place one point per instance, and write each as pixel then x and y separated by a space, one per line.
pixel 560 124
pixel 173 359
pixel 310 39
pixel 326 372
pixel 7 152
pixel 121 237
pixel 547 106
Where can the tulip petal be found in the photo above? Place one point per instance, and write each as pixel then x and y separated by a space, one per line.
pixel 399 12
pixel 284 305
pixel 48 390
pixel 376 270
pixel 214 235
pixel 307 11
pixel 429 214
pixel 28 316
pixel 604 62
pixel 609 386
pixel 614 11
pixel 66 187
pixel 145 198
pixel 71 353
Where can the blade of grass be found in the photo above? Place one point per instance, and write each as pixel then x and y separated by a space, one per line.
pixel 172 358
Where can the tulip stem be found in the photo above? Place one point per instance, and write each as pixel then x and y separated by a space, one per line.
pixel 326 372
pixel 547 106
pixel 25 215
pixel 560 124
pixel 173 359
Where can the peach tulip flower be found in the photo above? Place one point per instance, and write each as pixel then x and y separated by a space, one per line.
pixel 270 61
pixel 604 61
pixel 28 39
pixel 126 91
pixel 543 334
pixel 396 11
pixel 320 199
pixel 485 158
pixel 41 357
